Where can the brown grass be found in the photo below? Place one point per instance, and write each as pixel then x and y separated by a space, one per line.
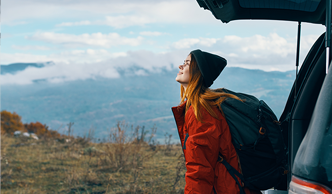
pixel 129 163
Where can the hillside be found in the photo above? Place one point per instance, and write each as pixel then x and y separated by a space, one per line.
pixel 75 165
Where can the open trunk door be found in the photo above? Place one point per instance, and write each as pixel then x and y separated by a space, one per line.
pixel 312 11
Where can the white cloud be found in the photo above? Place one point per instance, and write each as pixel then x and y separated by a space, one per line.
pixel 16 23
pixel 185 43
pixel 60 72
pixel 144 62
pixel 250 52
pixel 109 73
pixel 194 42
pixel 74 56
pixel 81 23
pixel 257 52
pixel 149 33
pixel 30 47
pixel 207 41
pixel 7 58
pixel 260 44
pixel 141 72
pixel 264 51
pixel 85 56
pixel 94 39
pixel 120 14
pixel 149 61
pixel 121 21
pixel 126 21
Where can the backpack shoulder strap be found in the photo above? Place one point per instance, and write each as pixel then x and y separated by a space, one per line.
pixel 232 171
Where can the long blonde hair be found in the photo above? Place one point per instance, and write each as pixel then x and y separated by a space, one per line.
pixel 197 95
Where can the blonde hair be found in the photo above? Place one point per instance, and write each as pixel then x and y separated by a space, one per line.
pixel 197 95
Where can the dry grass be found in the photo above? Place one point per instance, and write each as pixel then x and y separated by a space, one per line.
pixel 129 163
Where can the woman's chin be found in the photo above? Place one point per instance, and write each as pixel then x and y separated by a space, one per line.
pixel 179 81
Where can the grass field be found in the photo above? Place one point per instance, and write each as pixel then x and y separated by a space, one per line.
pixel 76 165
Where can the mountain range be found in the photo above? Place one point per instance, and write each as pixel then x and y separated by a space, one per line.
pixel 143 100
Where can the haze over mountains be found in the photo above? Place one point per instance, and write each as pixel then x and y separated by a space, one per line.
pixel 139 99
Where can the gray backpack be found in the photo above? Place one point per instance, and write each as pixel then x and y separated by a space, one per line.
pixel 258 140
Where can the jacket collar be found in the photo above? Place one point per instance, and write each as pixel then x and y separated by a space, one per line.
pixel 179 116
pixel 179 111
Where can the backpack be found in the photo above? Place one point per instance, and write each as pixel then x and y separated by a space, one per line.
pixel 258 141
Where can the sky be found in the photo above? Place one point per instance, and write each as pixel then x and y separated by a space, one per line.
pixel 87 39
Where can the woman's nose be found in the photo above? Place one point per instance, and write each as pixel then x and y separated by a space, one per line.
pixel 180 66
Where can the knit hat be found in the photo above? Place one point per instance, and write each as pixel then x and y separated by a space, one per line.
pixel 210 65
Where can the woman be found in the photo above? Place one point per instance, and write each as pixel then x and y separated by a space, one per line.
pixel 202 128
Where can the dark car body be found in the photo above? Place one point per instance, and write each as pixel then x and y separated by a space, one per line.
pixel 307 116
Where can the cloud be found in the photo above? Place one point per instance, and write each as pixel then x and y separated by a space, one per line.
pixel 144 61
pixel 94 39
pixel 16 23
pixel 140 72
pixel 120 14
pixel 271 52
pixel 192 42
pixel 81 23
pixel 149 33
pixel 149 61
pixel 268 53
pixel 60 72
pixel 85 56
pixel 121 21
pixel 261 44
pixel 126 21
pixel 185 43
pixel 7 58
pixel 73 56
pixel 256 51
pixel 30 47
pixel 263 52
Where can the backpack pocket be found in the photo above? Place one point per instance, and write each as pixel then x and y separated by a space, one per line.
pixel 265 180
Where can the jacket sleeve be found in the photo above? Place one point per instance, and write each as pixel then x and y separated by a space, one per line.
pixel 201 153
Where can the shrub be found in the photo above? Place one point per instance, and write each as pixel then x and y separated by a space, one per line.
pixel 10 122
pixel 128 150
pixel 41 130
pixel 36 128
pixel 52 134
pixel 168 144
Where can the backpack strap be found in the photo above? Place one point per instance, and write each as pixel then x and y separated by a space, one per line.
pixel 232 171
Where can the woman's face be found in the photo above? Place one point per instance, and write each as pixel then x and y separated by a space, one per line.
pixel 183 75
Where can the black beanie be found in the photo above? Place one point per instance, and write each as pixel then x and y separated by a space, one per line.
pixel 209 64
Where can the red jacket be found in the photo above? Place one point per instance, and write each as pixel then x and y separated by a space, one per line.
pixel 201 143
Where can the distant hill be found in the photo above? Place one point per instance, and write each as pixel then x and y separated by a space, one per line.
pixel 16 67
pixel 139 100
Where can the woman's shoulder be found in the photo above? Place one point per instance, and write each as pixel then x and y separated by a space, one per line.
pixel 190 114
pixel 206 116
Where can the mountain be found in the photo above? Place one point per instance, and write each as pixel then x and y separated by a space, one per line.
pixel 138 100
pixel 16 67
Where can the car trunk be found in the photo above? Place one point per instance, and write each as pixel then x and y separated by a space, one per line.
pixel 305 91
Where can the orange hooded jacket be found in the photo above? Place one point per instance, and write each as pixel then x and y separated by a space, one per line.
pixel 201 143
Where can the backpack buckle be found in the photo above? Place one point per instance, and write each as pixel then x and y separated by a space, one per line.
pixel 220 159
pixel 262 130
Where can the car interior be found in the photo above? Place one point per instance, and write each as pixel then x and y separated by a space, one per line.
pixel 302 99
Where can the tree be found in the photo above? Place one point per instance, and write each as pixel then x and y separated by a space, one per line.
pixel 10 122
